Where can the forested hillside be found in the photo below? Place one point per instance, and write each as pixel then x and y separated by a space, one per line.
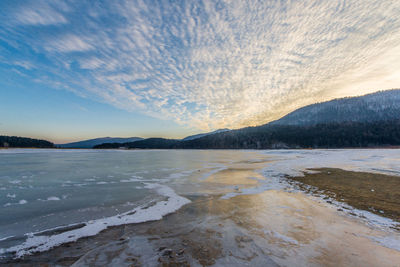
pixel 380 106
pixel 15 141
pixel 330 135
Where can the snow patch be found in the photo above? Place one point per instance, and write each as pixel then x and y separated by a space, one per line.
pixel 36 243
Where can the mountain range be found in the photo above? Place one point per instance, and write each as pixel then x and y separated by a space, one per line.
pixel 371 120
pixel 118 140
pixel 365 121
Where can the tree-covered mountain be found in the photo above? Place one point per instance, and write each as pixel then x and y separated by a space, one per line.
pixel 97 141
pixel 368 121
pixel 24 142
pixel 192 137
pixel 155 142
pixel 330 135
pixel 380 106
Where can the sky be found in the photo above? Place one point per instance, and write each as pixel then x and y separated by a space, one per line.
pixel 73 70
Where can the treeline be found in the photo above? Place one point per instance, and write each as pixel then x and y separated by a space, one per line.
pixel 149 143
pixel 325 135
pixel 15 141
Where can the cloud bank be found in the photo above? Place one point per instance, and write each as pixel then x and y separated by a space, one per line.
pixel 207 64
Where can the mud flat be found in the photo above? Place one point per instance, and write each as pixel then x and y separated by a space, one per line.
pixel 377 193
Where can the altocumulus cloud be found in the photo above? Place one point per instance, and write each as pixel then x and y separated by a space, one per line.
pixel 207 64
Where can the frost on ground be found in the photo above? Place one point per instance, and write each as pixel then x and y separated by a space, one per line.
pixel 294 162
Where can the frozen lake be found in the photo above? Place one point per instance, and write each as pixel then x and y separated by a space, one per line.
pixel 50 197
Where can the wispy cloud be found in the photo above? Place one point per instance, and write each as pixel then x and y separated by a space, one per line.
pixel 39 13
pixel 68 43
pixel 212 64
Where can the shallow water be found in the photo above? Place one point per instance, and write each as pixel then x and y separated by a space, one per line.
pixel 49 197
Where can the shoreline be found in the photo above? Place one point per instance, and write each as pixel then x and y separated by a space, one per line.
pixel 270 228
pixel 239 149
pixel 41 242
pixel 247 211
pixel 372 192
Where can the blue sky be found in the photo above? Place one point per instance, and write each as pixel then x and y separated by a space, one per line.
pixel 72 70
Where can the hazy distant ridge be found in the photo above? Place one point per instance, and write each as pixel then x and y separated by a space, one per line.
pixel 97 141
